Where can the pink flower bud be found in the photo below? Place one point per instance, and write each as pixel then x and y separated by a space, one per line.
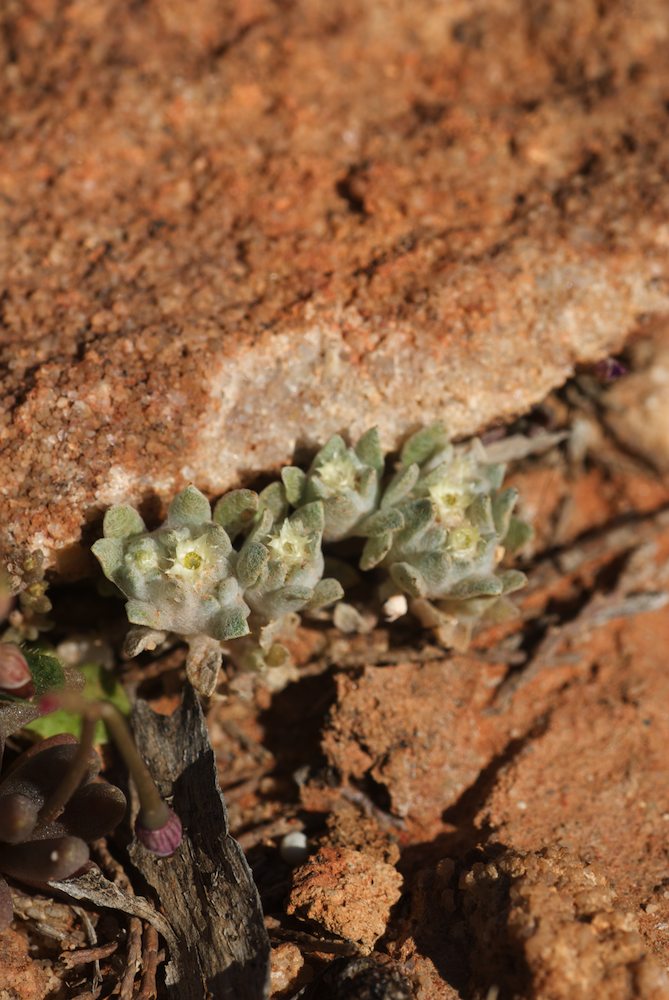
pixel 15 676
pixel 163 841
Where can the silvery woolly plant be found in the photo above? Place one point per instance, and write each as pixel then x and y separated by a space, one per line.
pixel 456 525
pixel 179 578
pixel 438 528
pixel 187 578
pixel 346 480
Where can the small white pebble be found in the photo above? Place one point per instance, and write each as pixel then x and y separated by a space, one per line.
pixel 522 805
pixel 294 848
pixel 395 607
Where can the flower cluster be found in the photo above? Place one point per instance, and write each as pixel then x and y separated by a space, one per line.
pixel 438 528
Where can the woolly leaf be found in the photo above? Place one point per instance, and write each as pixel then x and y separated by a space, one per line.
pixel 333 448
pixel 190 507
pixel 502 507
pixel 311 516
pixel 518 534
pixel 235 511
pixel 511 580
pixel 231 624
pixel 252 559
pixel 368 449
pixel 376 549
pixel 143 613
pixel 423 444
pixel 273 499
pixel 122 522
pixel 382 522
pixel 477 586
pixel 400 486
pixel 109 553
pixel 325 592
pixel 294 481
pixel 408 579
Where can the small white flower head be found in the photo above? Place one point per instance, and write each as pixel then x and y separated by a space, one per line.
pixel 192 560
pixel 143 555
pixel 179 578
pixel 338 474
pixel 464 541
pixel 292 546
pixel 346 480
pixel 450 501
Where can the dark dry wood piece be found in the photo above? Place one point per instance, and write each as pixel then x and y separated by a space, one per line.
pixel 206 890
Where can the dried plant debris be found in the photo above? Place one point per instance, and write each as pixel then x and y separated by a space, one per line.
pixel 206 889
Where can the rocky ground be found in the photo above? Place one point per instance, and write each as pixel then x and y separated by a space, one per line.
pixel 232 227
pixel 231 230
pixel 477 825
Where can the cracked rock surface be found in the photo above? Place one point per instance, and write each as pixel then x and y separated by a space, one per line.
pixel 229 229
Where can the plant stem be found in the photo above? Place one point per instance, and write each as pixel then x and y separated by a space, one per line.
pixel 154 811
pixel 75 774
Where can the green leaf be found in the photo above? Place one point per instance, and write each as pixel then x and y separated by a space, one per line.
pixel 235 511
pixel 121 522
pixel 143 613
pixel 231 624
pixel 417 516
pixel 518 534
pixel 376 549
pixel 46 669
pixel 494 474
pixel 99 685
pixel 190 507
pixel 252 558
pixel 109 553
pixel 408 579
pixel 477 586
pixel 312 516
pixel 502 508
pixel 400 486
pixel 325 592
pixel 381 522
pixel 331 449
pixel 511 580
pixel 273 499
pixel 423 444
pixel 368 449
pixel 480 513
pixel 294 481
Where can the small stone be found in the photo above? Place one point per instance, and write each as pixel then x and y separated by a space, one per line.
pixel 293 848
